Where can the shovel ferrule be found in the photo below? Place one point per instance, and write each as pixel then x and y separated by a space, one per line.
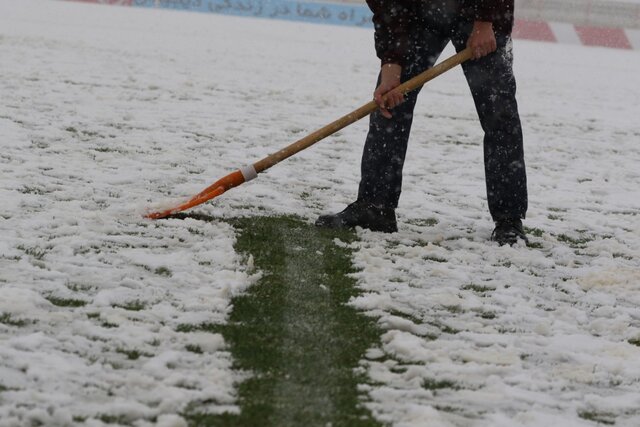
pixel 248 172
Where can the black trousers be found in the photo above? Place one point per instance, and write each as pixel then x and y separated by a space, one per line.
pixel 493 88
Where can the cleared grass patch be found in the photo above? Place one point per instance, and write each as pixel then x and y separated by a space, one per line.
pixel 294 332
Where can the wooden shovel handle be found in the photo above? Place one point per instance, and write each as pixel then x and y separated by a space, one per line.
pixel 365 110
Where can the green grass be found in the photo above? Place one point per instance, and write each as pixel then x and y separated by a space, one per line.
pixel 446 329
pixel 202 327
pixel 600 418
pixel 487 315
pixel 66 302
pixel 477 288
pixel 575 242
pixel 35 252
pixel 455 309
pixel 294 332
pixel 163 271
pixel 433 384
pixel 194 348
pixel 109 325
pixel 132 354
pixel 135 305
pixel 533 231
pixel 428 222
pixel 8 319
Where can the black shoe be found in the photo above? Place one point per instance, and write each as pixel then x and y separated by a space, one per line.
pixel 361 214
pixel 508 231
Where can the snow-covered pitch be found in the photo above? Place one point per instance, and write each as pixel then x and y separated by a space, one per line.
pixel 105 111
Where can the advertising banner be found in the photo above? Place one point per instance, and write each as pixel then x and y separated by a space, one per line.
pixel 604 23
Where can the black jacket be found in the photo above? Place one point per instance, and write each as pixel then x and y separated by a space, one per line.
pixel 393 20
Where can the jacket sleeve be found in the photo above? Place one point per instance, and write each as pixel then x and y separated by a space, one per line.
pixel 391 21
pixel 492 10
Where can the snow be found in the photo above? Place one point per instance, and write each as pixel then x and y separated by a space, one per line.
pixel 107 110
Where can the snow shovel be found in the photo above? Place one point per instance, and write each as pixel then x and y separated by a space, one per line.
pixel 249 172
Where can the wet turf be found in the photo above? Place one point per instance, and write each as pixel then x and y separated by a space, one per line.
pixel 294 332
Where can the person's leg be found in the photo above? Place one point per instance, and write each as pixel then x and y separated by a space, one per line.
pixel 493 87
pixel 386 143
pixel 382 160
pixel 384 154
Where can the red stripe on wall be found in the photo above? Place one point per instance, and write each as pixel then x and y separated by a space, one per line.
pixel 533 30
pixel 606 37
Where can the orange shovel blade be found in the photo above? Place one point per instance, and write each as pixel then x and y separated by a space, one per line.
pixel 214 190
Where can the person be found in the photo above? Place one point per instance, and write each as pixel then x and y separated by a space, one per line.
pixel 409 37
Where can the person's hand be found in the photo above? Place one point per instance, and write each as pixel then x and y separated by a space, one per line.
pixel 482 40
pixel 389 80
